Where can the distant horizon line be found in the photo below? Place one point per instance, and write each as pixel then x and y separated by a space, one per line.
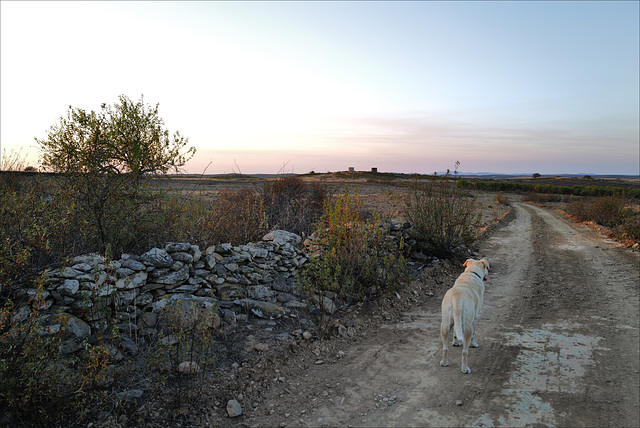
pixel 469 174
pixel 347 172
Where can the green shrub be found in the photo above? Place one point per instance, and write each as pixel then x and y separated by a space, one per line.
pixel 355 257
pixel 143 219
pixel 442 218
pixel 105 160
pixel 35 231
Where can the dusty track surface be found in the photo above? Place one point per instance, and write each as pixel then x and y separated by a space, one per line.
pixel 558 342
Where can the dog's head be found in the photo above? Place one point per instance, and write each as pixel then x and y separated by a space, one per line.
pixel 480 267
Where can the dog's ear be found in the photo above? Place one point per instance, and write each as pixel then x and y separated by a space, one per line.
pixel 485 262
pixel 466 263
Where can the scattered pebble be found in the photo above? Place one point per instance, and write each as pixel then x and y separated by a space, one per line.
pixel 261 347
pixel 234 408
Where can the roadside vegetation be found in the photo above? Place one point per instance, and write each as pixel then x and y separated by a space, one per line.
pixel 615 213
pixel 352 257
pixel 444 218
pixel 614 207
pixel 98 197
pixel 577 190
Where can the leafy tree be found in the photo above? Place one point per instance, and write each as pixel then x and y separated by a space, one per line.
pixel 536 175
pixel 105 158
pixel 128 138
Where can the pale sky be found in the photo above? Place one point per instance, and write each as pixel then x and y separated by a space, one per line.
pixel 259 87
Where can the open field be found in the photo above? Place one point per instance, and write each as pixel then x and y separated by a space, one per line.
pixel 379 192
pixel 384 192
pixel 558 337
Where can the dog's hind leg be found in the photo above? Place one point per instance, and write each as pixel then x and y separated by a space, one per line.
pixel 474 344
pixel 445 327
pixel 465 351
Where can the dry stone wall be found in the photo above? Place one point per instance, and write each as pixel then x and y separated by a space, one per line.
pixel 235 282
pixel 227 283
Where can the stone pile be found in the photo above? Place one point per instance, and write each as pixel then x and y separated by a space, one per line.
pixel 234 282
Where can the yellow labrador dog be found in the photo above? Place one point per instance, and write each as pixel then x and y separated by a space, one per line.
pixel 460 308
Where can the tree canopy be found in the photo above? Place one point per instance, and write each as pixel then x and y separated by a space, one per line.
pixel 128 137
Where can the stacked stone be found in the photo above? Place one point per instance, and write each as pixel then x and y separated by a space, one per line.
pixel 257 278
pixel 229 283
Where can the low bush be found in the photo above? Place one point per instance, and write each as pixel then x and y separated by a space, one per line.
pixel 629 229
pixel 501 198
pixel 183 354
pixel 442 218
pixel 612 212
pixel 36 230
pixel 244 215
pixel 355 256
pixel 512 186
pixel 41 225
pixel 608 211
pixel 292 204
pixel 31 368
pixel 543 197
pixel 235 216
pixel 40 385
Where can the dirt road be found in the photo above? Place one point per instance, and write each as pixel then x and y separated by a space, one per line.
pixel 558 342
